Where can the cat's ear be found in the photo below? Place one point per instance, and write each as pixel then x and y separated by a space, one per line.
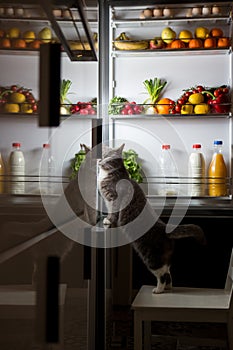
pixel 119 150
pixel 87 149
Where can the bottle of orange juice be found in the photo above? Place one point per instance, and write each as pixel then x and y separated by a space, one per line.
pixel 217 172
pixel 2 173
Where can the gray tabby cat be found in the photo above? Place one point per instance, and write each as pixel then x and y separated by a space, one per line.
pixel 155 247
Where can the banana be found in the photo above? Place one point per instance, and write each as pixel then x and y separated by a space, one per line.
pixel 131 45
pixel 123 42
pixel 77 45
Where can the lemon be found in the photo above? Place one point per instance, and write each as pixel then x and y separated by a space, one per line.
pixel 201 33
pixel 26 108
pixel 185 36
pixel 11 108
pixel 187 108
pixel 17 97
pixel 29 36
pixel 202 108
pixel 14 33
pixel 45 34
pixel 196 98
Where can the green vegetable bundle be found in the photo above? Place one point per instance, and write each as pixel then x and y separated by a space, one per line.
pixel 130 159
pixel 134 169
pixel 77 161
pixel 116 105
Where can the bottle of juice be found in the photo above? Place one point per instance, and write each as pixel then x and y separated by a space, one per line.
pixel 2 173
pixel 217 172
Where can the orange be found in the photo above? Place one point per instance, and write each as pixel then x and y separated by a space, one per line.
pixel 19 44
pixel 216 32
pixel 2 33
pixel 223 42
pixel 195 43
pixel 210 43
pixel 164 105
pixel 5 43
pixel 177 44
pixel 35 44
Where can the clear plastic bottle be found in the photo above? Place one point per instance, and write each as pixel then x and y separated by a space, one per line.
pixel 196 170
pixel 47 170
pixel 17 169
pixel 217 172
pixel 168 169
pixel 2 173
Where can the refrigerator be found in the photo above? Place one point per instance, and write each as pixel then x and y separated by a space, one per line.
pixel 60 278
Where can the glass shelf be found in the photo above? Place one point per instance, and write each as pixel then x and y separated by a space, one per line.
pixel 152 22
pixel 171 116
pixel 170 52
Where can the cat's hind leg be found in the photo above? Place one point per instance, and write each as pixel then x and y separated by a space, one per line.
pixel 168 281
pixel 162 278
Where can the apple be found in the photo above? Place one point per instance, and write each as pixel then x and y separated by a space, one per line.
pixel 168 35
pixel 156 43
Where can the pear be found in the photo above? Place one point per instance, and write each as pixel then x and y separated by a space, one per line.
pixel 168 35
pixel 45 35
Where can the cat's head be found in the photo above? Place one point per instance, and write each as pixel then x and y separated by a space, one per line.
pixel 111 157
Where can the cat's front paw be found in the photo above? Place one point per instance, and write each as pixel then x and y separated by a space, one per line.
pixel 157 290
pixel 106 221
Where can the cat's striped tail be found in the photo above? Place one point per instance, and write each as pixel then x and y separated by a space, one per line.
pixel 190 230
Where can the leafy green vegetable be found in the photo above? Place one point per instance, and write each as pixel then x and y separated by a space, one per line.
pixel 134 169
pixel 77 161
pixel 154 88
pixel 130 159
pixel 64 89
pixel 116 105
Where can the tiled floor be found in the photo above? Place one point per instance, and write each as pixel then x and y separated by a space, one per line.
pixel 120 329
pixel 167 333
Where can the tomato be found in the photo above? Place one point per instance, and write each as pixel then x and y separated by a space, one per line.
pixel 14 87
pixel 200 88
pixel 187 94
pixel 178 108
pixel 225 90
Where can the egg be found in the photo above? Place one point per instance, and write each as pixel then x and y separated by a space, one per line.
pixel 19 12
pixel 157 12
pixel 148 13
pixel 57 12
pixel 141 16
pixel 189 12
pixel 167 12
pixel 9 11
pixel 196 11
pixel 206 11
pixel 66 14
pixel 216 10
